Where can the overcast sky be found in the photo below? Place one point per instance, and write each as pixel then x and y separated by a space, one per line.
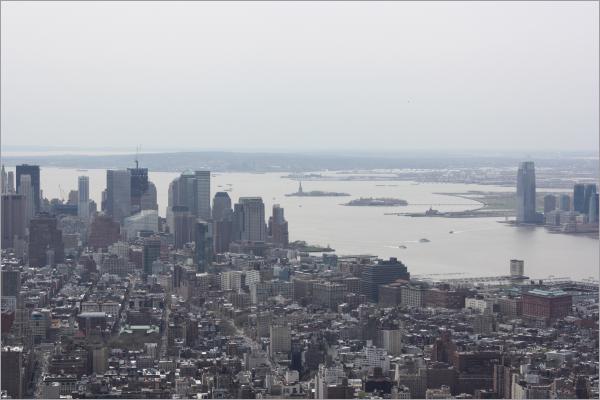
pixel 301 76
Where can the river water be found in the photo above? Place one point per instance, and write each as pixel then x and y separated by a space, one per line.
pixel 478 246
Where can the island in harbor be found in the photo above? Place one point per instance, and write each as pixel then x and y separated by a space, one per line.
pixel 377 202
pixel 315 193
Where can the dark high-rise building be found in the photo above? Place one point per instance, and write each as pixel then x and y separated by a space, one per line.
pixel 221 206
pixel 526 193
pixel 139 186
pixel 549 203
pixel 104 231
pixel 192 190
pixel 579 198
pixel 11 282
pixel 381 273
pixel 183 226
pixel 278 227
pixel 590 191
pixel 44 237
pixel 237 224
pixel 148 201
pixel 203 245
pixel 12 370
pixel 565 202
pixel 150 253
pixel 118 194
pixel 13 219
pixel 34 172
pixel 222 233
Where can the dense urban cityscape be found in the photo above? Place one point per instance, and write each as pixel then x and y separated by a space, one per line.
pixel 111 300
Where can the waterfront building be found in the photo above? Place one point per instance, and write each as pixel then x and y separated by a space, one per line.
pixel 83 197
pixel 593 212
pixel 45 241
pixel 526 193
pixel 517 268
pixel 34 172
pixel 565 202
pixel 579 198
pixel 118 194
pixel 549 203
pixel 381 273
pixel 13 219
pixel 590 192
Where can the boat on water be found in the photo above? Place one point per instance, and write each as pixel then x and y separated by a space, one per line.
pixel 424 240
pixel 451 232
pixel 402 246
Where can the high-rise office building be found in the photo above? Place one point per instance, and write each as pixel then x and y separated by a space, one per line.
pixel 381 273
pixel 139 186
pixel 203 244
pixel 150 253
pixel 26 189
pixel 203 187
pixel 590 191
pixel 192 190
pixel 12 371
pixel 3 180
pixel 104 231
pixel 183 226
pixel 253 219
pixel 549 203
pixel 10 183
pixel 579 198
pixel 281 339
pixel 222 235
pixel 565 202
pixel 278 227
pixel 221 206
pixel 593 212
pixel 34 172
pixel 118 194
pixel 13 219
pixel 45 241
pixel 526 193
pixel 148 201
pixel 83 194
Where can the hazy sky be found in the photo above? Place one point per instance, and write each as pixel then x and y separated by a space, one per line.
pixel 301 76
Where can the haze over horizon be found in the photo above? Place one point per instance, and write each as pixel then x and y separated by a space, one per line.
pixel 277 76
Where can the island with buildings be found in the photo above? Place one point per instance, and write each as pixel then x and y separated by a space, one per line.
pixel 376 202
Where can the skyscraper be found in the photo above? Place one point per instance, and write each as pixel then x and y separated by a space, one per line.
pixel 203 187
pixel 593 212
pixel 3 180
pixel 13 219
pixel 139 186
pixel 526 193
pixel 253 219
pixel 34 172
pixel 183 226
pixel 148 200
pixel 150 253
pixel 192 190
pixel 381 273
pixel 590 191
pixel 549 203
pixel 118 194
pixel 579 198
pixel 45 241
pixel 565 202
pixel 278 227
pixel 26 189
pixel 203 244
pixel 221 206
pixel 83 194
pixel 10 184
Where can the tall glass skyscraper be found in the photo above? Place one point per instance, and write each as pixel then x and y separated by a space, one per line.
pixel 118 194
pixel 526 193
pixel 579 198
pixel 83 193
pixel 34 172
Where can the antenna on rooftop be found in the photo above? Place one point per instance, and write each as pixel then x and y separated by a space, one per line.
pixel 137 153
